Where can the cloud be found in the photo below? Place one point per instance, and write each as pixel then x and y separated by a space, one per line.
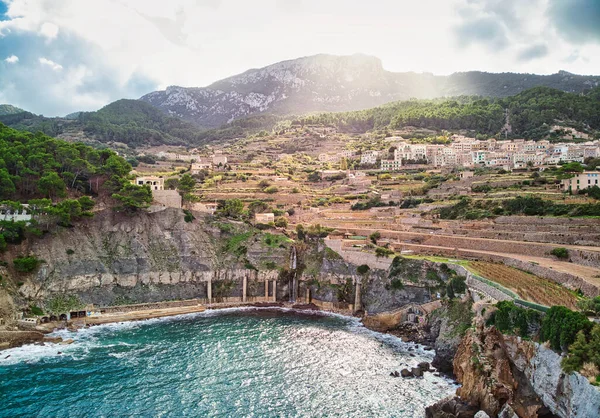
pixel 51 64
pixel 49 30
pixel 577 21
pixel 111 49
pixel 13 59
pixel 487 31
pixel 533 52
pixel 85 82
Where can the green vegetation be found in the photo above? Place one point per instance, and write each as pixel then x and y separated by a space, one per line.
pixel 374 237
pixel 383 252
pixel 232 208
pixel 132 197
pixel 188 216
pixel 26 264
pixel 512 319
pixel 467 208
pixel 132 122
pixel 34 166
pixel 591 306
pixel 363 269
pixel 531 114
pixel 561 325
pixel 61 304
pixel 560 252
pixel 6 109
pixel 460 316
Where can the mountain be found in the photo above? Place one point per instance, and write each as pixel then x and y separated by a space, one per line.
pixel 131 122
pixel 338 83
pixel 531 114
pixel 6 109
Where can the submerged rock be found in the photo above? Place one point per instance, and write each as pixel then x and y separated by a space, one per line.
pixel 417 372
pixel 406 373
pixel 424 366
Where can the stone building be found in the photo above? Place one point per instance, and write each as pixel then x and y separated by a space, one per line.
pixel 264 218
pixel 581 181
pixel 155 183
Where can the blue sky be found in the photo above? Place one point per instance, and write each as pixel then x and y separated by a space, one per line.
pixel 61 56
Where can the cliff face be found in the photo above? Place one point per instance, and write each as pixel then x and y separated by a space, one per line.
pixel 116 258
pixel 499 372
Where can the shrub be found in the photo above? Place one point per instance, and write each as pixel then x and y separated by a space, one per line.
pixel 560 252
pixel 512 319
pixel 281 222
pixel 26 264
pixel 189 217
pixel 561 325
pixel 271 189
pixel 70 251
pixel 363 269
pixel 374 237
pixel 383 252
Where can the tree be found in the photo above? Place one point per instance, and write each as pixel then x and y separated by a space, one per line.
pixel 591 306
pixel 7 187
pixel 374 237
pixel 51 186
pixel 315 177
pixel 363 269
pixel 133 197
pixel 578 354
pixel 257 206
pixel 172 183
pixel 343 163
pixel 186 184
pixel 232 208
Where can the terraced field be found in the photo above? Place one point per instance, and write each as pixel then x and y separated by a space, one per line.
pixel 526 285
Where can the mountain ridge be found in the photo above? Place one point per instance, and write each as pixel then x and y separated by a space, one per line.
pixel 329 83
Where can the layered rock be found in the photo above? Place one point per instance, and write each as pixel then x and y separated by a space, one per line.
pixel 504 375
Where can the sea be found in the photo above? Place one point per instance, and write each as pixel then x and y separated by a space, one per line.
pixel 224 363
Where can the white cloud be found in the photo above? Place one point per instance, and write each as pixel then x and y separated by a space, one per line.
pixel 13 59
pixel 49 30
pixel 51 64
pixel 194 43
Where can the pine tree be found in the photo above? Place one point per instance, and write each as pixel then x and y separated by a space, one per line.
pixel 578 354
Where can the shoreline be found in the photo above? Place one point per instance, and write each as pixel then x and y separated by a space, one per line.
pixel 41 331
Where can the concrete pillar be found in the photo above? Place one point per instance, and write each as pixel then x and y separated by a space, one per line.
pixel 266 290
pixel 274 291
pixel 244 288
pixel 209 290
pixel 357 298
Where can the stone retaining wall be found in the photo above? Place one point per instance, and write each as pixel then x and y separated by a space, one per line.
pixel 570 281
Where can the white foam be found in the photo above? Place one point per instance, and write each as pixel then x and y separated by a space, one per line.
pixel 86 339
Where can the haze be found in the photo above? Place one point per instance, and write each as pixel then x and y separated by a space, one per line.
pixel 60 56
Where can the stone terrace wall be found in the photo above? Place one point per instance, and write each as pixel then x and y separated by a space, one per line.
pixel 570 281
pixel 583 257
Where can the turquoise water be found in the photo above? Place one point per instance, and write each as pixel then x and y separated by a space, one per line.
pixel 250 363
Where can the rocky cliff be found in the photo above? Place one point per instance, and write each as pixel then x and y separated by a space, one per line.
pixel 117 258
pixel 500 373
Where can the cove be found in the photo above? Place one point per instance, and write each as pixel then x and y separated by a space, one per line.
pixel 229 363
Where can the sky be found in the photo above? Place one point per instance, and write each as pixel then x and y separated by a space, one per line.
pixel 62 56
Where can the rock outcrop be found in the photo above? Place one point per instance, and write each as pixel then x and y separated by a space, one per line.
pixel 507 376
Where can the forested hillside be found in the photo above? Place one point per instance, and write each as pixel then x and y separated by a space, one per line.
pixel 530 114
pixel 6 109
pixel 38 166
pixel 58 180
pixel 131 122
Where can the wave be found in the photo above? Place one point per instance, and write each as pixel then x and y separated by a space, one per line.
pixel 87 339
